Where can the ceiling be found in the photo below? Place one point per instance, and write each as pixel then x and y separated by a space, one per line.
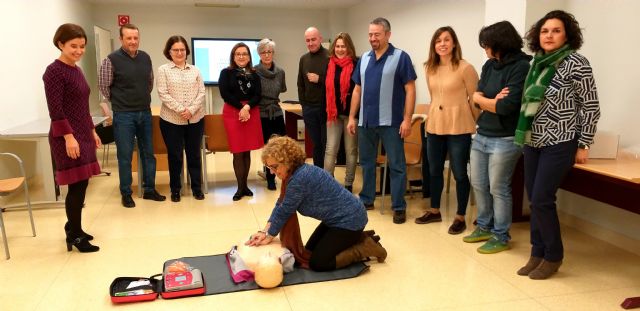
pixel 291 4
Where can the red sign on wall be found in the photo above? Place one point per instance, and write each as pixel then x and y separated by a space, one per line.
pixel 123 19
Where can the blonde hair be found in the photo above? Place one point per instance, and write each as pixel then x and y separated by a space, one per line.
pixel 285 150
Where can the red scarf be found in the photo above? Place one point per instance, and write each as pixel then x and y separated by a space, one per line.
pixel 290 234
pixel 346 63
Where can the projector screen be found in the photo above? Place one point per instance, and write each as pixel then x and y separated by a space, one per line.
pixel 211 55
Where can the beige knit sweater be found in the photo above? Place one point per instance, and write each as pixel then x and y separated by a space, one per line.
pixel 452 111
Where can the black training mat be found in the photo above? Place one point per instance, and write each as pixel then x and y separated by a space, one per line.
pixel 218 281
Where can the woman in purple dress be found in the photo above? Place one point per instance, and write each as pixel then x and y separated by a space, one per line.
pixel 72 136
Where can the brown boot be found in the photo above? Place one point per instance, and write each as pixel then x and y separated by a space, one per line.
pixel 370 233
pixel 545 270
pixel 360 251
pixel 533 263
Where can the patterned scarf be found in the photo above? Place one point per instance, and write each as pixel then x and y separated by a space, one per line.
pixel 290 234
pixel 346 63
pixel 540 74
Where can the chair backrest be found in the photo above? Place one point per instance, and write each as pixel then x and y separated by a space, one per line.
pixel 105 133
pixel 158 142
pixel 413 142
pixel 9 185
pixel 215 133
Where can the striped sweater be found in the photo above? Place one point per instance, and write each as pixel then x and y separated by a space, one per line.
pixel 570 109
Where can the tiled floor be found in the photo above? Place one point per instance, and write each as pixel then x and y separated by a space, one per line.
pixel 427 269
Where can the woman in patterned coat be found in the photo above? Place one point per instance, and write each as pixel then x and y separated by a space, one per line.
pixel 72 137
pixel 558 118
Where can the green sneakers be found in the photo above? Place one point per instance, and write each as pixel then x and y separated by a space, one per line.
pixel 493 246
pixel 478 235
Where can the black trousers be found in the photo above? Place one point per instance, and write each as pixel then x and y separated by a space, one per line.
pixel 188 138
pixel 544 170
pixel 315 122
pixel 327 242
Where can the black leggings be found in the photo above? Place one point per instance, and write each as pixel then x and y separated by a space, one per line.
pixel 73 206
pixel 327 242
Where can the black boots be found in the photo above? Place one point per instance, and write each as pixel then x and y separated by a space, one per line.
pixel 81 244
pixel 86 235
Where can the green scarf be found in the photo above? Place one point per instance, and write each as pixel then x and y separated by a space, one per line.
pixel 540 74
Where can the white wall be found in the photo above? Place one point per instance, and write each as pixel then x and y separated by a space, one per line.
pixel 31 25
pixel 611 41
pixel 157 23
pixel 412 25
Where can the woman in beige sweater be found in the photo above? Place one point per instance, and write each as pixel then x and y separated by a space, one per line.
pixel 452 119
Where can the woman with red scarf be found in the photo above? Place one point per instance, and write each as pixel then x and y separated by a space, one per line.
pixel 338 93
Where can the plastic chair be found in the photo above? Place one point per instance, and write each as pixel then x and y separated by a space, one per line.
pixel 8 186
pixel 214 140
pixel 412 152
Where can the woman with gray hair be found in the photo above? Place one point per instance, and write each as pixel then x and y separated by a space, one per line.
pixel 273 83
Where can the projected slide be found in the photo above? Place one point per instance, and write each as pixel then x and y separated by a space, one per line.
pixel 211 55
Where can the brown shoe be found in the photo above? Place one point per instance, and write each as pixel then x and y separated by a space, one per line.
pixel 429 217
pixel 545 270
pixel 457 227
pixel 531 265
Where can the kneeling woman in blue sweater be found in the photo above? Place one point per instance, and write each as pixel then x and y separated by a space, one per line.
pixel 339 239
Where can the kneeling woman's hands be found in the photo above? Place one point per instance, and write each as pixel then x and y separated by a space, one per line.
pixel 259 238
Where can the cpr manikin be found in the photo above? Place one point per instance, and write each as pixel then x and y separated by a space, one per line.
pixel 264 264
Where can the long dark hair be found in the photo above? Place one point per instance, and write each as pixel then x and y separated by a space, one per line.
pixel 434 59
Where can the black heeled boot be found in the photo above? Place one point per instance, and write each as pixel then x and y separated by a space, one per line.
pixel 67 230
pixel 82 244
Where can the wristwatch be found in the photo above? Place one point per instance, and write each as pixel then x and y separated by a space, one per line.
pixel 583 146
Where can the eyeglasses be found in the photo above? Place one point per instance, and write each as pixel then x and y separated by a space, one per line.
pixel 266 52
pixel 178 50
pixel 273 167
pixel 241 54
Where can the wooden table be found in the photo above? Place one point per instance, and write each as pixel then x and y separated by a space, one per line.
pixel 612 181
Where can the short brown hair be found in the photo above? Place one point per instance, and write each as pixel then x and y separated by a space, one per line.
pixel 68 32
pixel 571 29
pixel 346 38
pixel 285 150
pixel 128 26
pixel 173 40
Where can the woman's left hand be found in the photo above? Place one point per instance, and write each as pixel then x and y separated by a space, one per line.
pixel 97 139
pixel 186 114
pixel 582 155
pixel 259 238
pixel 244 114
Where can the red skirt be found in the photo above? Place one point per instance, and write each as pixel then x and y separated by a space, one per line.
pixel 242 136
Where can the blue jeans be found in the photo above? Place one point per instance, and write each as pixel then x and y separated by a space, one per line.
pixel 493 160
pixel 368 139
pixel 458 147
pixel 544 170
pixel 127 126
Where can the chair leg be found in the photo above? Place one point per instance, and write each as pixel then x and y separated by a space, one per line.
pixel 203 159
pixel 384 185
pixel 449 178
pixel 26 194
pixel 4 236
pixel 139 175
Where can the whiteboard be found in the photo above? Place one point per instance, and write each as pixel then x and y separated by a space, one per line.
pixel 103 48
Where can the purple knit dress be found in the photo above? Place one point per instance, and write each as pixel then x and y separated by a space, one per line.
pixel 67 95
